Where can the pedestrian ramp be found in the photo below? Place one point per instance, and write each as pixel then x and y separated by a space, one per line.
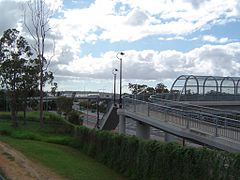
pixel 110 119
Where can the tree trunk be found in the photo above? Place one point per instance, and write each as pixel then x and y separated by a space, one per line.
pixel 41 98
pixel 13 110
pixel 24 110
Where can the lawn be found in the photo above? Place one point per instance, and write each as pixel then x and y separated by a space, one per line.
pixel 42 145
pixel 66 161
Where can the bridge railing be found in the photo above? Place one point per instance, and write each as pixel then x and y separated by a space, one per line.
pixel 100 121
pixel 201 122
pixel 176 96
pixel 193 107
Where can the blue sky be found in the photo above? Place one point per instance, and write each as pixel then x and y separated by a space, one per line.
pixel 161 39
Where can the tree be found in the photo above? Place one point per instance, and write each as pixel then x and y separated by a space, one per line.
pixel 54 89
pixel 29 83
pixel 64 105
pixel 15 54
pixel 137 88
pixel 161 88
pixel 38 27
pixel 150 90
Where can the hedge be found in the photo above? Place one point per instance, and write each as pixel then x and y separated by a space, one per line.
pixel 149 159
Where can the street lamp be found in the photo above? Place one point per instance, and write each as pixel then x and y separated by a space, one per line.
pixel 120 94
pixel 114 72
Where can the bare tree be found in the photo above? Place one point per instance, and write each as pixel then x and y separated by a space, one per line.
pixel 36 20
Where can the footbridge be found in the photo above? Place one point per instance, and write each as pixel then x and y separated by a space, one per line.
pixel 206 126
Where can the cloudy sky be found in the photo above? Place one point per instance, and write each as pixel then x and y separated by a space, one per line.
pixel 161 39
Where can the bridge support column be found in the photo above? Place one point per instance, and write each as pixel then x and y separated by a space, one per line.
pixel 122 124
pixel 143 130
pixel 169 137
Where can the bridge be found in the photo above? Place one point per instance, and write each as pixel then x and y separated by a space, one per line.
pixel 206 126
pixel 186 112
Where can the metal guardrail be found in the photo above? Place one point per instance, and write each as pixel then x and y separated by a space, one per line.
pixel 200 120
pixel 100 121
pixel 194 107
pixel 199 97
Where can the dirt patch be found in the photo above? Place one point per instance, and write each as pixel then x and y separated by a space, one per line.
pixel 16 166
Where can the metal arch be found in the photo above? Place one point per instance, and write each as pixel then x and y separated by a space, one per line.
pixel 234 86
pixel 237 86
pixel 196 81
pixel 185 76
pixel 205 80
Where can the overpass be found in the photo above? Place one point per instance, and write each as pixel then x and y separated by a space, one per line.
pixel 206 126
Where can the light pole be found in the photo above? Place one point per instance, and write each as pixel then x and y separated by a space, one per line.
pixel 120 94
pixel 114 72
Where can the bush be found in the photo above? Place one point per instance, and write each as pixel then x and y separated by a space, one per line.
pixel 26 135
pixel 5 115
pixel 149 159
pixel 53 118
pixel 74 118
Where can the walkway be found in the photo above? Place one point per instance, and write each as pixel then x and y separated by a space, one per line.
pixel 198 125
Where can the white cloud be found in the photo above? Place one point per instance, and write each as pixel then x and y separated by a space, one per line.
pixel 136 18
pixel 144 18
pixel 171 38
pixel 221 60
pixel 213 39
pixel 11 14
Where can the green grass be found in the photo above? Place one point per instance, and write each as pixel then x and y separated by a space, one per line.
pixel 54 129
pixel 33 131
pixel 66 161
pixel 33 141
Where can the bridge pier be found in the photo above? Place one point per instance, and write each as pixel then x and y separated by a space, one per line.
pixel 122 124
pixel 143 130
pixel 169 137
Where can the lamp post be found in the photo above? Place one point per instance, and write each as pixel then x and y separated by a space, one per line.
pixel 114 72
pixel 120 94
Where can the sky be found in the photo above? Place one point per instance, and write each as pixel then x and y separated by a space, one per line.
pixel 161 40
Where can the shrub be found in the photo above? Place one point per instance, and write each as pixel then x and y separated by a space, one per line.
pixel 74 118
pixel 149 159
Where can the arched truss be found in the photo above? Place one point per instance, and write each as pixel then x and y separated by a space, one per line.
pixel 197 83
pixel 228 79
pixel 215 83
pixel 237 86
pixel 205 81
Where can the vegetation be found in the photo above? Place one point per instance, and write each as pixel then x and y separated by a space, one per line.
pixel 17 69
pixel 21 72
pixel 144 89
pixel 133 157
pixel 66 161
pixel 64 105
pixel 141 159
pixel 36 20
pixel 75 118
pixel 55 129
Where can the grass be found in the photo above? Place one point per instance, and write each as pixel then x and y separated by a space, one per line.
pixel 66 161
pixel 54 129
pixel 36 143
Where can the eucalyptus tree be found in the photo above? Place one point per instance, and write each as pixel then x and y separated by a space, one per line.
pixel 161 88
pixel 137 88
pixel 15 56
pixel 36 20
pixel 30 84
